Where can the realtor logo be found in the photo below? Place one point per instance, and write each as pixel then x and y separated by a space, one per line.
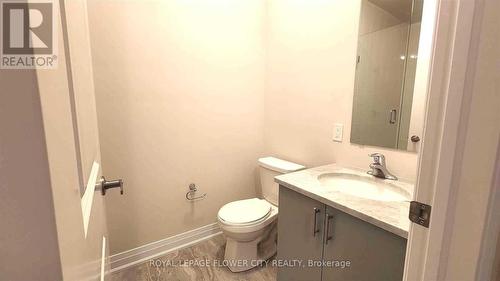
pixel 28 35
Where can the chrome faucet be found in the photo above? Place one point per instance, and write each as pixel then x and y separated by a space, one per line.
pixel 378 168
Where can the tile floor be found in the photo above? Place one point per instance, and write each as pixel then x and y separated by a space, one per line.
pixel 211 250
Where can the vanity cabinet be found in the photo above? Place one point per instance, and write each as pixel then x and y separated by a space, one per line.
pixel 341 246
pixel 299 237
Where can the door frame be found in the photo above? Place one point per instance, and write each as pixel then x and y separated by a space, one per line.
pixel 453 49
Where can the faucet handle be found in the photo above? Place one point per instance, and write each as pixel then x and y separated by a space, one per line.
pixel 378 158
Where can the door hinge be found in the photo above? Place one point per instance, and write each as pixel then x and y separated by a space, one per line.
pixel 420 213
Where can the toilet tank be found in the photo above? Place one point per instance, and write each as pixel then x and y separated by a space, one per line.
pixel 271 167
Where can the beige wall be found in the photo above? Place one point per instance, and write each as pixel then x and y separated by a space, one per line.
pixel 180 89
pixel 197 92
pixel 482 136
pixel 28 240
pixel 310 82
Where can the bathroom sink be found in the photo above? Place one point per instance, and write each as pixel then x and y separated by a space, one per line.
pixel 367 187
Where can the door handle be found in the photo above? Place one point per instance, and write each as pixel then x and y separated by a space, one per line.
pixel 104 185
pixel 315 227
pixel 328 236
pixel 415 138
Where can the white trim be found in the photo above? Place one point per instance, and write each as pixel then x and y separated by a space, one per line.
pixel 103 258
pixel 88 196
pixel 161 247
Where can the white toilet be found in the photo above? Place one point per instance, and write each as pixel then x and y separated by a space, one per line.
pixel 250 225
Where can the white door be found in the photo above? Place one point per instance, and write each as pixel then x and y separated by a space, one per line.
pixel 454 28
pixel 70 121
pixel 79 62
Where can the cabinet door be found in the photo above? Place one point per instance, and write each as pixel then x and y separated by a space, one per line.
pixel 373 253
pixel 299 238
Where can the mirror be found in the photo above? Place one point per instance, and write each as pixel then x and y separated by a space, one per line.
pixel 383 103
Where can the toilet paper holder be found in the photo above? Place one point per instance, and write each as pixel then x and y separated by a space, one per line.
pixel 192 191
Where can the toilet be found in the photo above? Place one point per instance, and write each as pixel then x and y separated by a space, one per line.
pixel 250 225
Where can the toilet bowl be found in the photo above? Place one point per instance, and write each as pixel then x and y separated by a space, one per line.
pixel 250 225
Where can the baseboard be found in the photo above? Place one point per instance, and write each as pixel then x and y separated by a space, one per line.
pixel 161 247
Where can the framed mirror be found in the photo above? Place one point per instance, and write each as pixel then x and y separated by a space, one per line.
pixel 383 103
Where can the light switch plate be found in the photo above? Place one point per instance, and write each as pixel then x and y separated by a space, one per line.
pixel 338 132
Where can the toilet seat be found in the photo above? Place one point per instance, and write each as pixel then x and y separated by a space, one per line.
pixel 245 212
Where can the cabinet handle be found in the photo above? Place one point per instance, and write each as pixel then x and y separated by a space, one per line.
pixel 315 227
pixel 393 114
pixel 328 236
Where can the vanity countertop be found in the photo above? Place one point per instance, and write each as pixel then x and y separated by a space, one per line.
pixel 388 215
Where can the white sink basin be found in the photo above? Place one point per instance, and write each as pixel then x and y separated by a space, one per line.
pixel 367 187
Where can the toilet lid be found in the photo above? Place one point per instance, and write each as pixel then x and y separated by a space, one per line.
pixel 244 211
